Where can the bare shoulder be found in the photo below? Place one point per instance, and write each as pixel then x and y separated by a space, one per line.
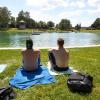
pixel 23 50
pixel 67 50
pixel 52 50
pixel 37 50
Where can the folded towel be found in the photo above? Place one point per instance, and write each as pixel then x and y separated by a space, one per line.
pixel 53 72
pixel 2 67
pixel 24 79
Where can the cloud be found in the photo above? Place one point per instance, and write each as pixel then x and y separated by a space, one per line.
pixel 81 4
pixel 36 2
pixel 54 4
pixel 51 4
pixel 95 11
pixel 93 2
pixel 75 10
pixel 47 4
pixel 38 15
pixel 86 23
pixel 69 14
pixel 1 6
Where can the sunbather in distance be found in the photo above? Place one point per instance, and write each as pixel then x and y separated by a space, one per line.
pixel 30 56
pixel 59 57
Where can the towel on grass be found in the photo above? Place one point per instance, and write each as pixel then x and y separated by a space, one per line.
pixel 24 79
pixel 53 72
pixel 2 67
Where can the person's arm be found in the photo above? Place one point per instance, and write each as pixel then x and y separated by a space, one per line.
pixel 22 56
pixel 67 56
pixel 39 60
pixel 51 57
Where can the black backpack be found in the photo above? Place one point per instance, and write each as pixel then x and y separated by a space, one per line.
pixel 80 82
pixel 7 93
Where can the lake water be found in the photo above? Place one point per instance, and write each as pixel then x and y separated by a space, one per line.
pixel 17 40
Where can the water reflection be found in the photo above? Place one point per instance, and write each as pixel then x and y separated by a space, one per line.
pixel 49 39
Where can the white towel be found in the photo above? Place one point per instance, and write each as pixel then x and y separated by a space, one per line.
pixel 53 72
pixel 2 67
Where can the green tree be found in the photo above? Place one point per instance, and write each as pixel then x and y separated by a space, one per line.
pixel 36 25
pixel 64 24
pixel 42 25
pixel 50 24
pixel 78 27
pixel 20 16
pixel 25 16
pixel 96 24
pixel 12 23
pixel 30 23
pixel 4 17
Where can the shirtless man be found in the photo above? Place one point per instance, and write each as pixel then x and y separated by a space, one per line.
pixel 30 56
pixel 59 57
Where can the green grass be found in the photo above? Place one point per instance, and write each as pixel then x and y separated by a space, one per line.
pixel 82 59
pixel 90 31
pixel 14 30
pixel 27 30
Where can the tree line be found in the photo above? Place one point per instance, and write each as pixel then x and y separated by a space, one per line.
pixel 8 21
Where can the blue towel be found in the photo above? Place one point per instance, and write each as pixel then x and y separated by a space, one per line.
pixel 24 79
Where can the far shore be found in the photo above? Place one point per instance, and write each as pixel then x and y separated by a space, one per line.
pixel 14 30
pixel 8 48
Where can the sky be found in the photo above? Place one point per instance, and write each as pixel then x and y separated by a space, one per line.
pixel 77 11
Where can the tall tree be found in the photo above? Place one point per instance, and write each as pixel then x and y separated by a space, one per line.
pixel 20 16
pixel 65 24
pixel 78 27
pixel 25 16
pixel 42 25
pixel 50 24
pixel 30 23
pixel 96 24
pixel 12 22
pixel 4 17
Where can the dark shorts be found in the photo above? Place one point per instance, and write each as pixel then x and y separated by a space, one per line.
pixel 56 68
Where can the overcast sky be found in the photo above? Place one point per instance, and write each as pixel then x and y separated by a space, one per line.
pixel 77 11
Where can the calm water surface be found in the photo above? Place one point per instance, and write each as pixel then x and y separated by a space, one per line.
pixel 49 39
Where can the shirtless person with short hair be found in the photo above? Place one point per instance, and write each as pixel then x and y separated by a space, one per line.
pixel 31 57
pixel 59 57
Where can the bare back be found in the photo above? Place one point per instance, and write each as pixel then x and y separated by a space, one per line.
pixel 30 59
pixel 61 57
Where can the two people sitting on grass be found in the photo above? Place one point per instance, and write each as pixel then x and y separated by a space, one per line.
pixel 58 57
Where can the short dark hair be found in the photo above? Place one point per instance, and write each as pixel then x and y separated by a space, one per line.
pixel 60 41
pixel 29 43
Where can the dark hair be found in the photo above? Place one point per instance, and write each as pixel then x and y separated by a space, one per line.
pixel 29 44
pixel 60 42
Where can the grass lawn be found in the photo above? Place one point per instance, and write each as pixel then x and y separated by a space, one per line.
pixel 14 30
pixel 82 59
pixel 90 31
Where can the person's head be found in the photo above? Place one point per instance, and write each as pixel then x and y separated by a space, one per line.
pixel 60 42
pixel 29 44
